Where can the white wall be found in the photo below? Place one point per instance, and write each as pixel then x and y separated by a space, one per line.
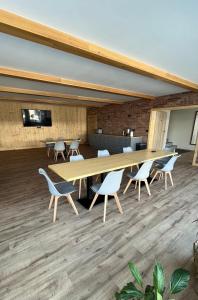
pixel 180 128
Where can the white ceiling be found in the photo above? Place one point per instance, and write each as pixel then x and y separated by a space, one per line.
pixel 161 33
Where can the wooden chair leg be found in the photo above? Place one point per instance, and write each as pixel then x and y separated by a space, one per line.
pixel 55 209
pixel 147 187
pixel 93 202
pixel 74 182
pixel 85 183
pixel 118 203
pixel 80 185
pixel 48 151
pixel 171 178
pixel 63 156
pixel 55 155
pixel 139 188
pixel 127 186
pixel 165 180
pixel 98 176
pixel 135 184
pixel 51 202
pixel 72 203
pixel 105 208
pixel 157 172
pixel 131 168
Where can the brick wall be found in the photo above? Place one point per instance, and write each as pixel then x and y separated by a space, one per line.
pixel 114 118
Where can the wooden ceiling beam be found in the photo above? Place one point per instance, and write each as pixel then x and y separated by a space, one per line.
pixel 13 24
pixel 15 73
pixel 69 97
pixel 16 98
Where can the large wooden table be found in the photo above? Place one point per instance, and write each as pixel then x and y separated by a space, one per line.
pixel 89 167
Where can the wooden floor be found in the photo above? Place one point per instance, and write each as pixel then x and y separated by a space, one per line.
pixel 78 257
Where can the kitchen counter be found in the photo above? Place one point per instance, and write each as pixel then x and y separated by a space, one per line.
pixel 113 143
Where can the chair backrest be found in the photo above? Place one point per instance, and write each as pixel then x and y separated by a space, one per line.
pixel 144 171
pixel 170 164
pixel 111 183
pixel 74 145
pixel 59 146
pixel 103 153
pixel 127 149
pixel 51 186
pixel 76 157
pixel 171 148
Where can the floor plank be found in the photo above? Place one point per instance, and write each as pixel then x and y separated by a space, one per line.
pixel 79 257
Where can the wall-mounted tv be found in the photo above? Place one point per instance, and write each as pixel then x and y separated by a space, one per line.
pixel 36 117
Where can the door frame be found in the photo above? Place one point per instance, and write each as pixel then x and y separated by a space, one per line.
pixel 171 108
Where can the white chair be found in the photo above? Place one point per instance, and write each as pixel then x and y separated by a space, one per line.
pixel 166 170
pixel 74 158
pixel 74 148
pixel 59 148
pixel 102 153
pixel 58 190
pixel 129 150
pixel 110 186
pixel 141 175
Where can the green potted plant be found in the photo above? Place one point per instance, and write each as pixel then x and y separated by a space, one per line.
pixel 157 291
pixel 195 253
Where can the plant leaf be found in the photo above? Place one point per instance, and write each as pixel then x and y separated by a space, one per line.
pixel 149 293
pixel 179 281
pixel 159 296
pixel 158 278
pixel 136 274
pixel 129 292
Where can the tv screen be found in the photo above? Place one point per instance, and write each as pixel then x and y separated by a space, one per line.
pixel 36 117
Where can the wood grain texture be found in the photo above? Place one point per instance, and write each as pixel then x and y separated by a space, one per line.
pixel 158 129
pixel 45 35
pixel 68 122
pixel 81 169
pixel 69 82
pixel 69 97
pixel 48 100
pixel 78 257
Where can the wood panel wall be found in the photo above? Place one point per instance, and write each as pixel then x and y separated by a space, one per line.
pixel 67 121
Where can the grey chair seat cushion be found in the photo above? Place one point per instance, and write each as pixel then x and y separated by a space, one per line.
pixel 65 187
pixel 96 187
pixel 132 174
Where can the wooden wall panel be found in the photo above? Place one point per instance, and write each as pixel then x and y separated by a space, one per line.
pixel 67 121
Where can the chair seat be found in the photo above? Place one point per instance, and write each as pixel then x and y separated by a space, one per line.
pixel 96 187
pixel 132 174
pixel 65 187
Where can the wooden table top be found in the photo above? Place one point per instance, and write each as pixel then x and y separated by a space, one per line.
pixel 56 140
pixel 81 169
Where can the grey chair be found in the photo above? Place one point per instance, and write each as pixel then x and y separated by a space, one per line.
pixel 110 186
pixel 166 170
pixel 58 190
pixel 160 163
pixel 74 158
pixel 59 148
pixel 74 148
pixel 141 175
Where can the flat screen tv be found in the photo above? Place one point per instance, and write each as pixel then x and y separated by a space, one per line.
pixel 36 117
